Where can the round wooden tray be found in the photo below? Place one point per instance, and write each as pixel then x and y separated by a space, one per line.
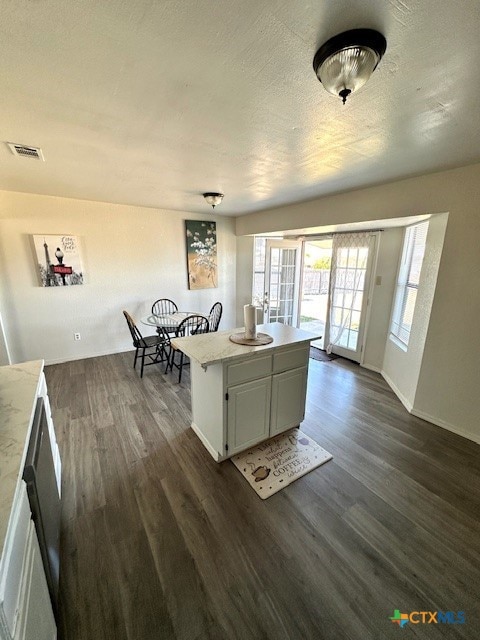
pixel 262 338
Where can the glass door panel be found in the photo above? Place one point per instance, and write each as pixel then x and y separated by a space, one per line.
pixel 317 260
pixel 351 265
pixel 282 279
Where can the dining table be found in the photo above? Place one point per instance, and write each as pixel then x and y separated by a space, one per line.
pixel 168 321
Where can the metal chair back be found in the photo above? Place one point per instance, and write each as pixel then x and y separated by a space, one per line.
pixel 138 341
pixel 214 316
pixel 150 348
pixel 164 306
pixel 192 325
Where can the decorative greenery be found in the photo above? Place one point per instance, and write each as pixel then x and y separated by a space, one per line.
pixel 323 263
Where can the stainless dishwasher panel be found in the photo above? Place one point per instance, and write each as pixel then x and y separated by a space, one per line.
pixel 39 475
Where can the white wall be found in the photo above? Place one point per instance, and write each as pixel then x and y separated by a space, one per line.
pixel 245 258
pixel 390 244
pixel 131 255
pixel 4 352
pixel 448 383
pixel 401 368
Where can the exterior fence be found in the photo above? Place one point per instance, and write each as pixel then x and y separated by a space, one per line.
pixel 315 281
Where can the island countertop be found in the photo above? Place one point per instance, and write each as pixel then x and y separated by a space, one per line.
pixel 210 348
pixel 19 385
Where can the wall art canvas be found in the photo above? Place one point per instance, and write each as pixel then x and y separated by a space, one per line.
pixel 201 254
pixel 59 261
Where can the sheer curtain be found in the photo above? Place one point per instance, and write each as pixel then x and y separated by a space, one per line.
pixel 347 282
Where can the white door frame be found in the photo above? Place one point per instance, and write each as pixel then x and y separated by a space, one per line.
pixel 283 244
pixel 358 355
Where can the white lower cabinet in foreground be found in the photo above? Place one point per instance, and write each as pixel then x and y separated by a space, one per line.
pixel 25 607
pixel 239 403
pixel 248 414
pixel 26 611
pixel 35 618
pixel 288 399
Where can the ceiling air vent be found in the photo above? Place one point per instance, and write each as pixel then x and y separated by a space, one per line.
pixel 26 152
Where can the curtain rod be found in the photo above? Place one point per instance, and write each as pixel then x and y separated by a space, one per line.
pixel 327 236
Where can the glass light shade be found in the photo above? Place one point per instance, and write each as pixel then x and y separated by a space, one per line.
pixel 348 69
pixel 213 198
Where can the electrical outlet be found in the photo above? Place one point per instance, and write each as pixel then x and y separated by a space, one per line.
pixel 76 336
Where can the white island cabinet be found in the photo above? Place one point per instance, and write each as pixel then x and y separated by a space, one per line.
pixel 25 607
pixel 242 395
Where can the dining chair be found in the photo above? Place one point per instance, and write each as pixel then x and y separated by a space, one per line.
pixel 191 326
pixel 214 316
pixel 151 347
pixel 163 307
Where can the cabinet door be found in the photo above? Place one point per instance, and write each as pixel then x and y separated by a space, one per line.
pixel 13 560
pixel 248 414
pixel 288 400
pixel 36 617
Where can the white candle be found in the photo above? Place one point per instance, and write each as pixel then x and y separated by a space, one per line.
pixel 250 318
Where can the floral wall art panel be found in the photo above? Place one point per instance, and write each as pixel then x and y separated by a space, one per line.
pixel 201 254
pixel 58 260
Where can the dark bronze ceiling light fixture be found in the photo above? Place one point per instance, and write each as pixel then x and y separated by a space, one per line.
pixel 213 198
pixel 345 62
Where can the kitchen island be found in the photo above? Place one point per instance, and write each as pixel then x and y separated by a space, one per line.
pixel 242 395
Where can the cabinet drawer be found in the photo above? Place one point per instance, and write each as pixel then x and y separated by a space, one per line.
pixel 249 370
pixel 291 358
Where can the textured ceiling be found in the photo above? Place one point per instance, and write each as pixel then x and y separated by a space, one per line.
pixel 151 103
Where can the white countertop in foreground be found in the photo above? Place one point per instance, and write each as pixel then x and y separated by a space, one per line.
pixel 19 385
pixel 210 348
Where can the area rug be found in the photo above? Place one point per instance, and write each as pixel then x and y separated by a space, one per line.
pixel 276 463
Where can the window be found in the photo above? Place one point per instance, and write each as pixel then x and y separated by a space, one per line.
pixel 408 281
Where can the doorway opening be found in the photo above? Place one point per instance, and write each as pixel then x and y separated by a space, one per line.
pixel 276 280
pixel 317 262
pixel 320 285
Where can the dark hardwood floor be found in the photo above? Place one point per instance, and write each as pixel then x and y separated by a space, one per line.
pixel 159 542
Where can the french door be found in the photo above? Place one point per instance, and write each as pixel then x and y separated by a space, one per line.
pixel 282 281
pixel 352 260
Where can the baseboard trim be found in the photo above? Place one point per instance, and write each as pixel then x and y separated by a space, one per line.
pixel 475 437
pixel 371 367
pixel 85 357
pixel 406 403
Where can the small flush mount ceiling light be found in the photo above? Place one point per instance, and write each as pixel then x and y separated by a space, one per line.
pixel 345 62
pixel 213 198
